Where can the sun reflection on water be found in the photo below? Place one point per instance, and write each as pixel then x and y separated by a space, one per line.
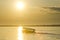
pixel 20 34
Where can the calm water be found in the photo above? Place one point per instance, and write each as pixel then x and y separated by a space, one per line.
pixel 10 33
pixel 53 33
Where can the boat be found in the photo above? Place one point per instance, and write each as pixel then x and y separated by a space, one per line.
pixel 28 30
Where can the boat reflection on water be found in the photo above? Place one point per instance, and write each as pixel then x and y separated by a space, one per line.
pixel 28 30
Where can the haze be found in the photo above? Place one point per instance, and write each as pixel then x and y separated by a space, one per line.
pixel 33 12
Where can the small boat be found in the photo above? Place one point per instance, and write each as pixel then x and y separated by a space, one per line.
pixel 28 30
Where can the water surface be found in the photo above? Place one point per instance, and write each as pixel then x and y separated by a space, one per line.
pixel 42 33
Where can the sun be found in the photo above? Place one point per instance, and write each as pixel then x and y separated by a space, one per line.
pixel 20 5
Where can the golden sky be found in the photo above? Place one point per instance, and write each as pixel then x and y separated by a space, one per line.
pixel 33 13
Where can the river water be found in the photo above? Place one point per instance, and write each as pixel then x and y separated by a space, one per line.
pixel 47 33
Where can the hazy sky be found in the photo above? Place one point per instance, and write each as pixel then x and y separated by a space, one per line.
pixel 34 13
pixel 33 2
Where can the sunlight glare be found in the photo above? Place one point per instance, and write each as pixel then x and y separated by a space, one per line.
pixel 20 5
pixel 20 34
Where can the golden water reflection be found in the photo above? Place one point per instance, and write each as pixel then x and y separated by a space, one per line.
pixel 33 36
pixel 20 34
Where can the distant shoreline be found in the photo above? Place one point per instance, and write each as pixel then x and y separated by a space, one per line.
pixel 30 25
